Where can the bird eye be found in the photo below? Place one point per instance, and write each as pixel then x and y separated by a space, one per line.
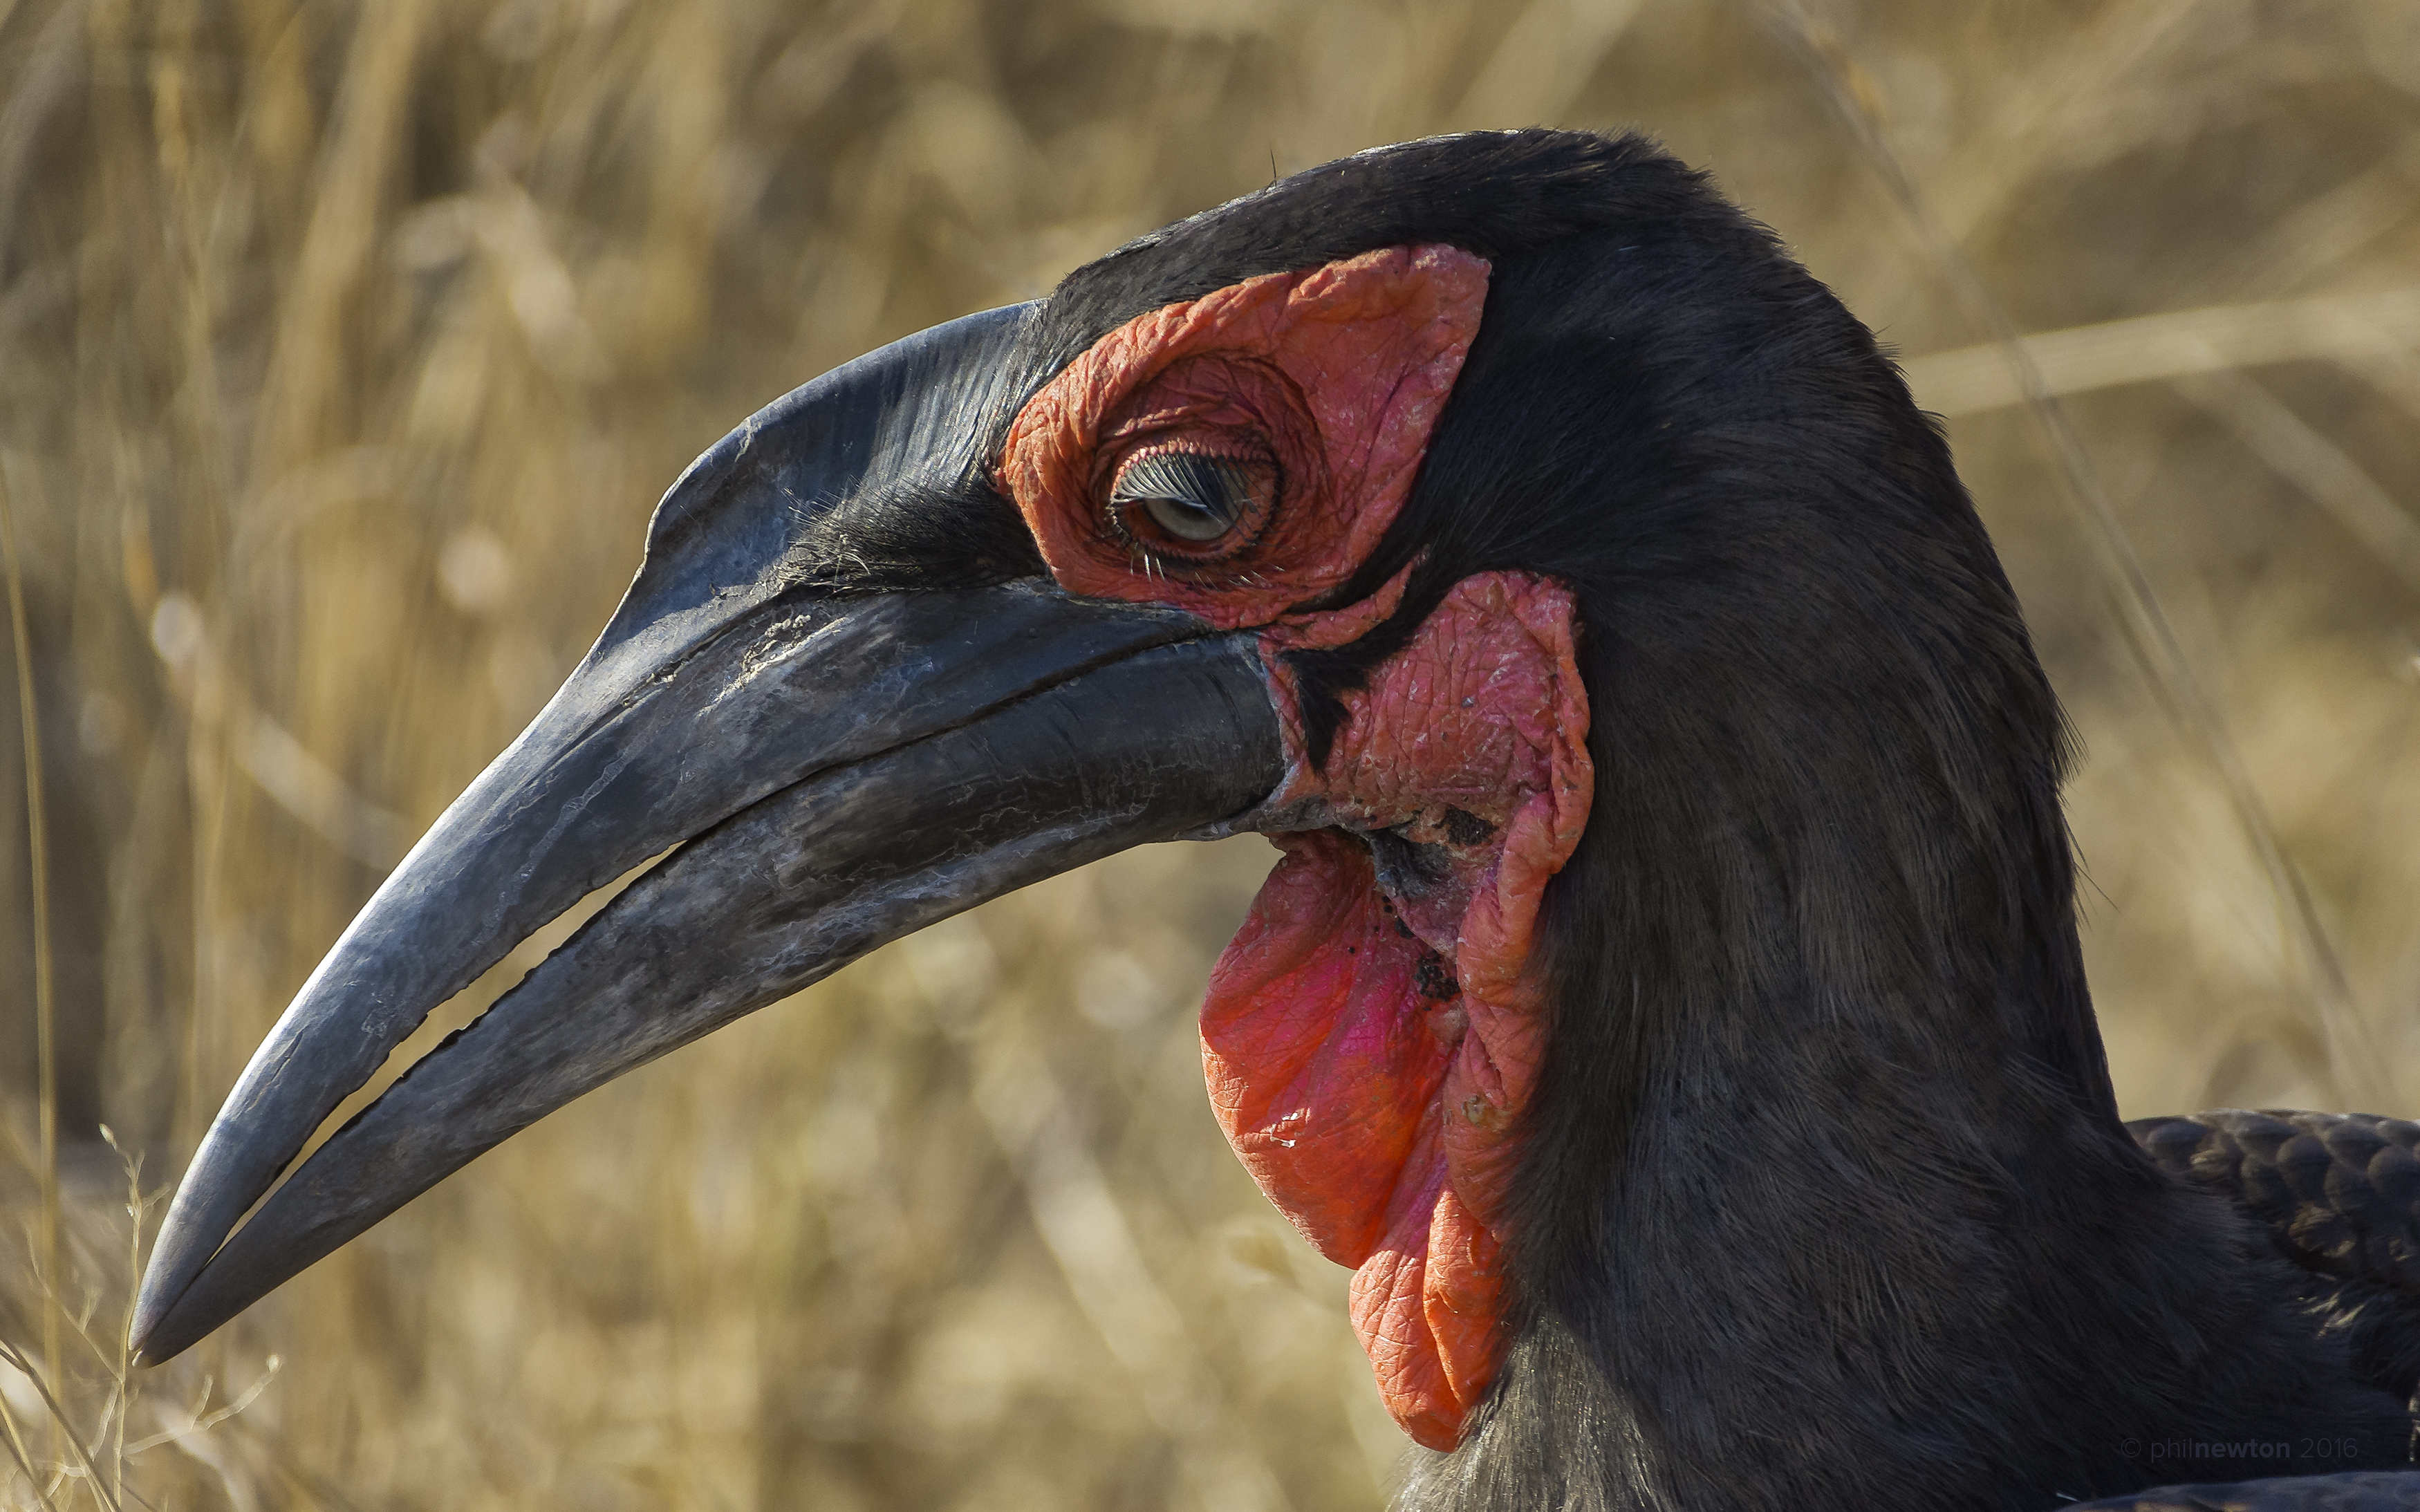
pixel 1193 498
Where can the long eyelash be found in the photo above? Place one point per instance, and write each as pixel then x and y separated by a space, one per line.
pixel 1149 560
pixel 1141 554
pixel 1168 568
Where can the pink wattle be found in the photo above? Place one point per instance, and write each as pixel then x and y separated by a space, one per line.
pixel 1370 1054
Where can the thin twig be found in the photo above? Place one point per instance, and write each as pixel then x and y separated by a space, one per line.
pixel 1543 61
pixel 2316 465
pixel 125 1365
pixel 10 1353
pixel 38 850
pixel 2359 1073
pixel 1087 1232
pixel 2355 328
pixel 202 1421
pixel 23 1456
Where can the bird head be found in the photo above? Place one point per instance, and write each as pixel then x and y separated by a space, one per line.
pixel 1501 523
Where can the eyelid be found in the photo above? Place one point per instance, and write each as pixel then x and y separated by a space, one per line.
pixel 1234 487
pixel 1196 477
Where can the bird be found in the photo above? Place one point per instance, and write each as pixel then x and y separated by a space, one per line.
pixel 1668 999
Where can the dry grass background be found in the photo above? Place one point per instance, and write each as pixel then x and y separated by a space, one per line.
pixel 345 348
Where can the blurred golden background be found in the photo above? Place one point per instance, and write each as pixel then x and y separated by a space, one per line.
pixel 344 348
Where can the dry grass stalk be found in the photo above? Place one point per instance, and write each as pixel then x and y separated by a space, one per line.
pixel 2349 329
pixel 351 344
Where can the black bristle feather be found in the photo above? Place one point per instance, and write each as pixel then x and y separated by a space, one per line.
pixel 909 538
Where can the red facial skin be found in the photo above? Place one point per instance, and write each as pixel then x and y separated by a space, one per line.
pixel 1370 1044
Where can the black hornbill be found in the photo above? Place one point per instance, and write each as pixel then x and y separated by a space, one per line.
pixel 1669 999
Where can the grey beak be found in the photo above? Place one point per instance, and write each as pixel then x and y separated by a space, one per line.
pixel 837 767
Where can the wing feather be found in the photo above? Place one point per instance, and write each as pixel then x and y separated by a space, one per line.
pixel 2339 1193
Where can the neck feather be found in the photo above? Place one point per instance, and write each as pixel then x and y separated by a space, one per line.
pixel 1863 1244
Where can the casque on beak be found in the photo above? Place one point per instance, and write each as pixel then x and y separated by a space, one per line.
pixel 846 739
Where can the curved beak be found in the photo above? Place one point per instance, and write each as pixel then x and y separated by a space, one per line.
pixel 838 690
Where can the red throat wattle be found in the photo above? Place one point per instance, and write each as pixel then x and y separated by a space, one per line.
pixel 1372 1034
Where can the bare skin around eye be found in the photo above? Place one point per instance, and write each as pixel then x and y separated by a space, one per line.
pixel 1337 374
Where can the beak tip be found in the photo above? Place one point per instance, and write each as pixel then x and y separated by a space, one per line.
pixel 154 1336
pixel 151 1307
pixel 159 1341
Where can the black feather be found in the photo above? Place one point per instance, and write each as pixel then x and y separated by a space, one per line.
pixel 1825 1201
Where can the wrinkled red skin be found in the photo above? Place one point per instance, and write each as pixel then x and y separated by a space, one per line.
pixel 1339 372
pixel 1370 1043
pixel 1373 1094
